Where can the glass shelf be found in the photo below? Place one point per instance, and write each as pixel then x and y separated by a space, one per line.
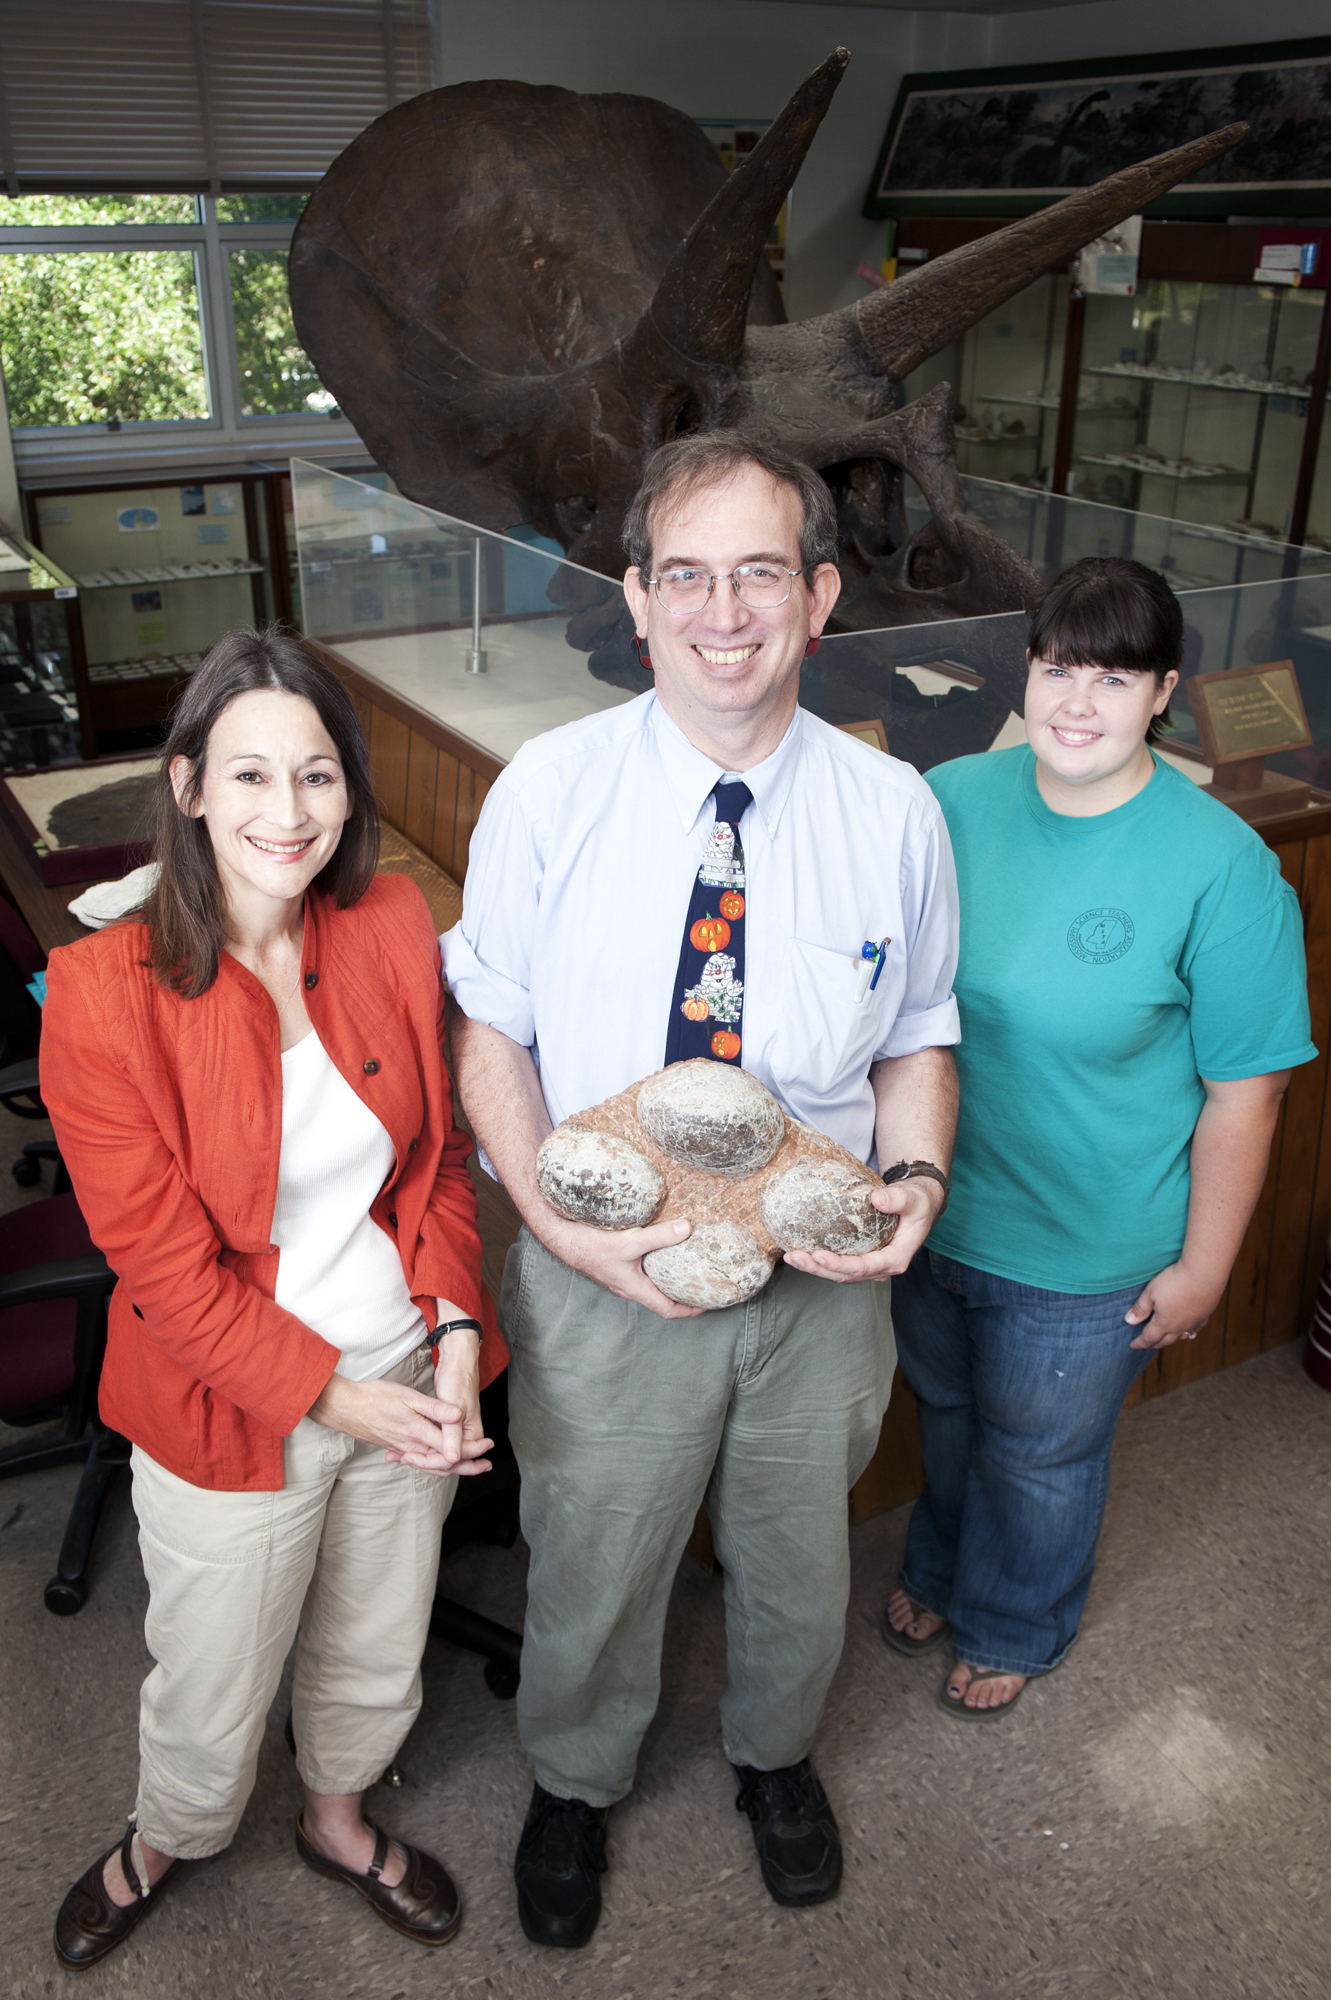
pixel 1125 462
pixel 1199 378
pixel 204 572
pixel 1032 402
pixel 140 670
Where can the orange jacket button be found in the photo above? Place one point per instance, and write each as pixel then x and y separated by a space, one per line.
pixel 371 1068
pixel 311 981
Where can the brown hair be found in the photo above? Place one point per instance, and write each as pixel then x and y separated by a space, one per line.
pixel 186 910
pixel 1108 611
pixel 680 468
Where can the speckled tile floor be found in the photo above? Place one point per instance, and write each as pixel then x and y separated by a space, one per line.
pixel 1155 1820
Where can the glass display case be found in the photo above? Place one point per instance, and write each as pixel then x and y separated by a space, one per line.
pixel 1193 401
pixel 956 689
pixel 162 569
pixel 43 681
pixel 1005 373
pixel 1052 531
pixel 486 634
pixel 497 641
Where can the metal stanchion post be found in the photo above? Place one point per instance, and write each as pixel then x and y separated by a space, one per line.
pixel 476 657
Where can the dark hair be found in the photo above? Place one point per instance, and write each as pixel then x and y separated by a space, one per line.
pixel 1108 611
pixel 186 911
pixel 679 469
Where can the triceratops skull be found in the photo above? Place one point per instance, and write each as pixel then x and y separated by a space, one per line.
pixel 517 293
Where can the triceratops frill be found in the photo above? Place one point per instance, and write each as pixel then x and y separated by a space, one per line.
pixel 516 293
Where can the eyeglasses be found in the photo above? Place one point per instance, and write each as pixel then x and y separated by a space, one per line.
pixel 759 585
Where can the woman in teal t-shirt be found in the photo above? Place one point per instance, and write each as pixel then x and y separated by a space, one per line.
pixel 1133 998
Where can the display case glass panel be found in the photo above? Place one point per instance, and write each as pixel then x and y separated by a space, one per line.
pixel 413 596
pixel 392 587
pixel 1005 374
pixel 1052 531
pixel 39 707
pixel 956 689
pixel 1193 401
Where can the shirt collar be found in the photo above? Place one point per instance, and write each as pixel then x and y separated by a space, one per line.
pixel 691 775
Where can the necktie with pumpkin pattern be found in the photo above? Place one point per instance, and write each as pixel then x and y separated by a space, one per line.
pixel 707 1007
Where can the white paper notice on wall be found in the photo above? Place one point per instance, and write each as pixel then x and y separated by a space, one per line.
pixel 1285 264
pixel 1109 264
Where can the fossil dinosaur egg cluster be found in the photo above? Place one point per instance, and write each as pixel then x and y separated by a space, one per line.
pixel 709 1143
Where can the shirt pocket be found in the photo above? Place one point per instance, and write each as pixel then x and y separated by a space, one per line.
pixel 826 1037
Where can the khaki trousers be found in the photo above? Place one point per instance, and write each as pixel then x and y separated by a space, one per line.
pixel 623 1424
pixel 343 1561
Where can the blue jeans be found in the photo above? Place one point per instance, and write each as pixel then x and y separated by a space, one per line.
pixel 1019 1391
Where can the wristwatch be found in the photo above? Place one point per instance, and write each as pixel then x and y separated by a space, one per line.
pixel 913 1170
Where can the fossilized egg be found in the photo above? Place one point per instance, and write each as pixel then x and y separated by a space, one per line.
pixel 592 1177
pixel 825 1205
pixel 720 1264
pixel 721 1120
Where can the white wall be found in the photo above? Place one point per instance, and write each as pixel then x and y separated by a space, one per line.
pixel 1113 27
pixel 729 59
pixel 742 58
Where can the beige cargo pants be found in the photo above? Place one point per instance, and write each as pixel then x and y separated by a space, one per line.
pixel 348 1552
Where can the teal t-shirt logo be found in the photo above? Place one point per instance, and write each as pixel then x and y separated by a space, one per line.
pixel 1101 936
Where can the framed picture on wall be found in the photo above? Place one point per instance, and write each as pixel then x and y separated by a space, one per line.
pixel 1009 141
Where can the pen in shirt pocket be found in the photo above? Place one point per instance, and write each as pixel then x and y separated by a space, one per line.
pixel 873 957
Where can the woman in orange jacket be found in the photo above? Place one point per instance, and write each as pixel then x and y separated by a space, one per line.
pixel 247 1084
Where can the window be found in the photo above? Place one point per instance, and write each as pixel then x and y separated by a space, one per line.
pixel 120 312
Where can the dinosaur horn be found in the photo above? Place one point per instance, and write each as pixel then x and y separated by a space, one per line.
pixel 916 317
pixel 702 301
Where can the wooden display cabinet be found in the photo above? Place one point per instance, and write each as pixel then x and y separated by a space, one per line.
pixel 163 567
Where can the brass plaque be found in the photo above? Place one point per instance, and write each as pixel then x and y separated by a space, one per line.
pixel 1252 712
pixel 873 733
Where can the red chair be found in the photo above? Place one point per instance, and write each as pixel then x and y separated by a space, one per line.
pixel 54 1287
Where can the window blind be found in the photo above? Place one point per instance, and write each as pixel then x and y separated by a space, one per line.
pixel 242 96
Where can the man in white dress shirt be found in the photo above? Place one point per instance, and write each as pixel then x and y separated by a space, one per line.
pixel 628 1411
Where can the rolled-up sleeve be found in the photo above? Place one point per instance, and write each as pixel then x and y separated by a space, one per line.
pixel 927 1017
pixel 487 954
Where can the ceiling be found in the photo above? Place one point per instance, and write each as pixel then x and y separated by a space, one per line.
pixel 946 6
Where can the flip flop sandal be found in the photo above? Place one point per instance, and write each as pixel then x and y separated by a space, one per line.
pixel 901 1642
pixel 959 1708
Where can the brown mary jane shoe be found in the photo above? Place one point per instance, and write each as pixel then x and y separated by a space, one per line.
pixel 424 1905
pixel 88 1924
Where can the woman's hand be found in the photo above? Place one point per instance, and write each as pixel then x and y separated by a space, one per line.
pixel 411 1427
pixel 457 1383
pixel 1176 1303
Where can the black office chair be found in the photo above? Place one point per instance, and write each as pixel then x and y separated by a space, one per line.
pixel 54 1287
pixel 485 1511
pixel 21 958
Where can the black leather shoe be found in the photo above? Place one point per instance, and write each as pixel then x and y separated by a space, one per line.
pixel 558 1869
pixel 88 1924
pixel 794 1831
pixel 424 1905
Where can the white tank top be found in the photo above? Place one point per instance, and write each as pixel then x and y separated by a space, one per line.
pixel 338 1271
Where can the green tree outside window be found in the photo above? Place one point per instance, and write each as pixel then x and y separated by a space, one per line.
pixel 277 377
pixel 91 337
